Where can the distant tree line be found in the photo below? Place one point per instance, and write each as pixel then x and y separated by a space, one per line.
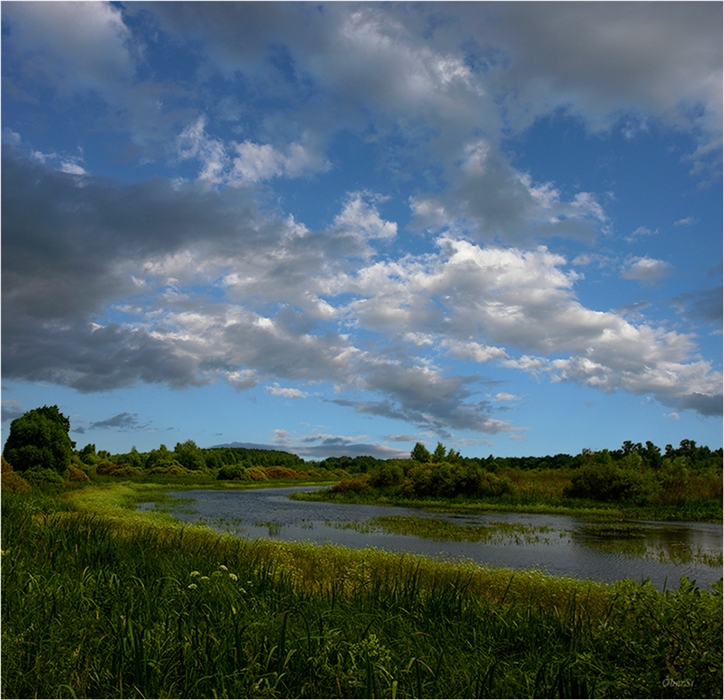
pixel 635 473
pixel 39 448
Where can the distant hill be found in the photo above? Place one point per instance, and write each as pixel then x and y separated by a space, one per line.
pixel 250 446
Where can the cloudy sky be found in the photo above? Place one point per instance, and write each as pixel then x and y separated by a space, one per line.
pixel 343 228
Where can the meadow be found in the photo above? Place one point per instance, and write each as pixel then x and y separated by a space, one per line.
pixel 101 601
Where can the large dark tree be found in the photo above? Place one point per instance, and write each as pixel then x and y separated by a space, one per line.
pixel 39 438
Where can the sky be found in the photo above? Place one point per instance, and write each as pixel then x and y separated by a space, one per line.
pixel 344 228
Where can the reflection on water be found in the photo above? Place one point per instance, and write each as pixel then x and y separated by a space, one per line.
pixel 661 552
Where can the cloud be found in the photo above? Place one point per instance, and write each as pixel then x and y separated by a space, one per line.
pixel 244 163
pixel 360 217
pixel 80 46
pixel 495 201
pixel 242 379
pixel 332 446
pixel 106 285
pixel 504 396
pixel 122 422
pixel 641 231
pixel 401 438
pixel 688 221
pixel 286 392
pixel 615 59
pixel 704 404
pixel 704 305
pixel 11 410
pixel 646 270
pixel 524 301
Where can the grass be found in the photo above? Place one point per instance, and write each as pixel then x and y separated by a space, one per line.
pixel 445 531
pixel 98 601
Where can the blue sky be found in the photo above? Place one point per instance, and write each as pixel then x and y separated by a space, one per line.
pixel 344 228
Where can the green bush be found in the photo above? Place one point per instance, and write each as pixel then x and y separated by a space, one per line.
pixel 37 476
pixel 233 472
pixel 602 479
pixel 449 480
pixel 386 474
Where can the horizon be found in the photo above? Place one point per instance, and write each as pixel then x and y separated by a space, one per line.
pixel 342 229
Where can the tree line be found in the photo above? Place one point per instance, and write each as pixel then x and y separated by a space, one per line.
pixel 39 447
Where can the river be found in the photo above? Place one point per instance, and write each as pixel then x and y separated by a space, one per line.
pixel 662 552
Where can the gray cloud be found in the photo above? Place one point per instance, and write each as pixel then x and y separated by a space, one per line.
pixel 704 305
pixel 703 404
pixel 11 410
pixel 122 421
pixel 663 58
pixel 646 270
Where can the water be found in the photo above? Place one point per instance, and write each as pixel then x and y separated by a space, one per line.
pixel 561 545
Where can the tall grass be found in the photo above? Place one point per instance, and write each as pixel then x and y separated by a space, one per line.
pixel 97 606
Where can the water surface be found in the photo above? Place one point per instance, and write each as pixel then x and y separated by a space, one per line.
pixel 562 545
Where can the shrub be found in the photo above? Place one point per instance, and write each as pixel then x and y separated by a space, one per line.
pixel 12 482
pixel 602 479
pixel 386 475
pixel 111 469
pixel 354 485
pixel 232 472
pixel 38 476
pixel 257 474
pixel 76 475
pixel 280 473
pixel 490 484
pixel 167 470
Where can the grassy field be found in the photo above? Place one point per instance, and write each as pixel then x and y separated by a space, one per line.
pixel 99 601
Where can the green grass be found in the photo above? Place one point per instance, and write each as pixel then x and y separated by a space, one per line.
pixel 98 601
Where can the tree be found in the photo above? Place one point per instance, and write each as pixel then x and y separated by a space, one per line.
pixel 190 455
pixel 420 453
pixel 39 438
pixel 439 454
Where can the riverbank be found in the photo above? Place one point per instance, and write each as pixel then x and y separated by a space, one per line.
pixel 701 510
pixel 102 601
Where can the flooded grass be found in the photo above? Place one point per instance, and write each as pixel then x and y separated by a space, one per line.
pixel 110 603
pixel 444 531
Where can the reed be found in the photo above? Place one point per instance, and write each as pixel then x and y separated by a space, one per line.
pixel 95 605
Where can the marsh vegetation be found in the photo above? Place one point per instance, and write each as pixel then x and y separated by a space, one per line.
pixel 108 603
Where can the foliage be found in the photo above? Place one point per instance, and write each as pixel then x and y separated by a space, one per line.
pixel 234 472
pixel 99 607
pixel 351 485
pixel 633 482
pixel 76 475
pixel 450 480
pixel 107 468
pixel 39 439
pixel 603 479
pixel 420 453
pixel 386 474
pixel 12 482
pixel 190 456
pixel 352 465
pixel 43 478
